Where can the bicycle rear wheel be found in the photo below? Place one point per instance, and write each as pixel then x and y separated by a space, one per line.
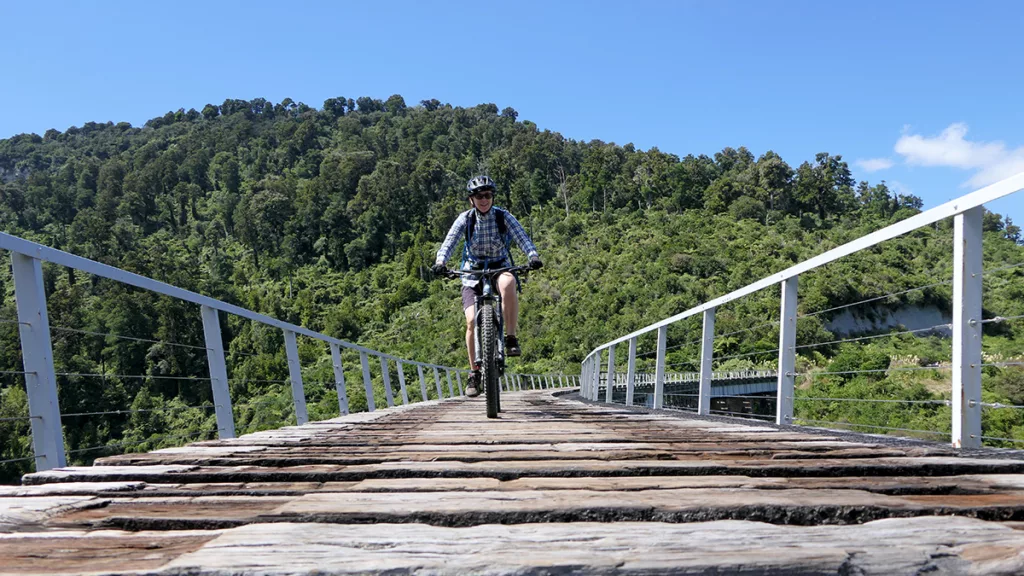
pixel 489 370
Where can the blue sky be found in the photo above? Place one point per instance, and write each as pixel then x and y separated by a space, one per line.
pixel 926 95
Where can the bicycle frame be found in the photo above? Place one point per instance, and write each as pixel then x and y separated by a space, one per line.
pixel 488 293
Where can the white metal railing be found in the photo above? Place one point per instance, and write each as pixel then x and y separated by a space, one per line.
pixel 967 212
pixel 41 382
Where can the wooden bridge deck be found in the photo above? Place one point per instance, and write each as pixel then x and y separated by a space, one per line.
pixel 554 486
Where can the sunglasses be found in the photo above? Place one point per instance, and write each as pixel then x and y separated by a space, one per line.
pixel 483 195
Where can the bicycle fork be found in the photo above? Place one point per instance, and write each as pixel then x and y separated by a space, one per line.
pixel 478 355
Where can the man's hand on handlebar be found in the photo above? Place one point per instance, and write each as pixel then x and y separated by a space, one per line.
pixel 535 263
pixel 439 269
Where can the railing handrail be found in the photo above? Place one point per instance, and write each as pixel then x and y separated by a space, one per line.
pixel 66 259
pixel 40 377
pixel 952 208
pixel 966 328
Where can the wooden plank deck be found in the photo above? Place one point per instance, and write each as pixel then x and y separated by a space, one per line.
pixel 554 486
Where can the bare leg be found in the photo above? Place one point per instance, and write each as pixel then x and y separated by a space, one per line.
pixel 509 303
pixel 470 339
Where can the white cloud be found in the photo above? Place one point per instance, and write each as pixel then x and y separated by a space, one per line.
pixel 874 164
pixel 991 161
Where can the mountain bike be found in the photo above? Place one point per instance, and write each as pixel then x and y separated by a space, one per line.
pixel 490 331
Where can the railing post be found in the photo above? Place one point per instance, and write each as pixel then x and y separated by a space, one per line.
pixel 401 383
pixel 707 351
pixel 458 381
pixel 451 389
pixel 967 291
pixel 339 379
pixel 608 391
pixel 787 352
pixel 218 373
pixel 423 382
pixel 37 358
pixel 437 382
pixel 631 372
pixel 659 372
pixel 594 386
pixel 291 348
pixel 385 373
pixel 371 405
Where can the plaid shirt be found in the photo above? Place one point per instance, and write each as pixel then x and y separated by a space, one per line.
pixel 487 243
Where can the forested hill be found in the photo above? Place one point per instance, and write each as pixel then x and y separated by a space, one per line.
pixel 261 203
pixel 330 218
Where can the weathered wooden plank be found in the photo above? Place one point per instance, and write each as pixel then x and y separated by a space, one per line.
pixel 947 486
pixel 793 505
pixel 507 470
pixel 29 512
pixel 72 489
pixel 105 551
pixel 889 547
pixel 170 513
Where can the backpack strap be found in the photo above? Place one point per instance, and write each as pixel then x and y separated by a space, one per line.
pixel 499 219
pixel 470 225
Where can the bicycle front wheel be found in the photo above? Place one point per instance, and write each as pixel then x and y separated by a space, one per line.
pixel 489 370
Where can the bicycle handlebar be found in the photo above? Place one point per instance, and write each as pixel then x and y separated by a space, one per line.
pixel 452 274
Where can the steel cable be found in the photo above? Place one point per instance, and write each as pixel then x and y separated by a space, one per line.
pixel 887 335
pixel 20 418
pixel 907 369
pixel 21 459
pixel 872 426
pixel 133 376
pixel 873 299
pixel 156 439
pixel 131 338
pixel 745 355
pixel 177 409
pixel 878 400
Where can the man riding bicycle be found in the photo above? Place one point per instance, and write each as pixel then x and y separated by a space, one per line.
pixel 488 232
